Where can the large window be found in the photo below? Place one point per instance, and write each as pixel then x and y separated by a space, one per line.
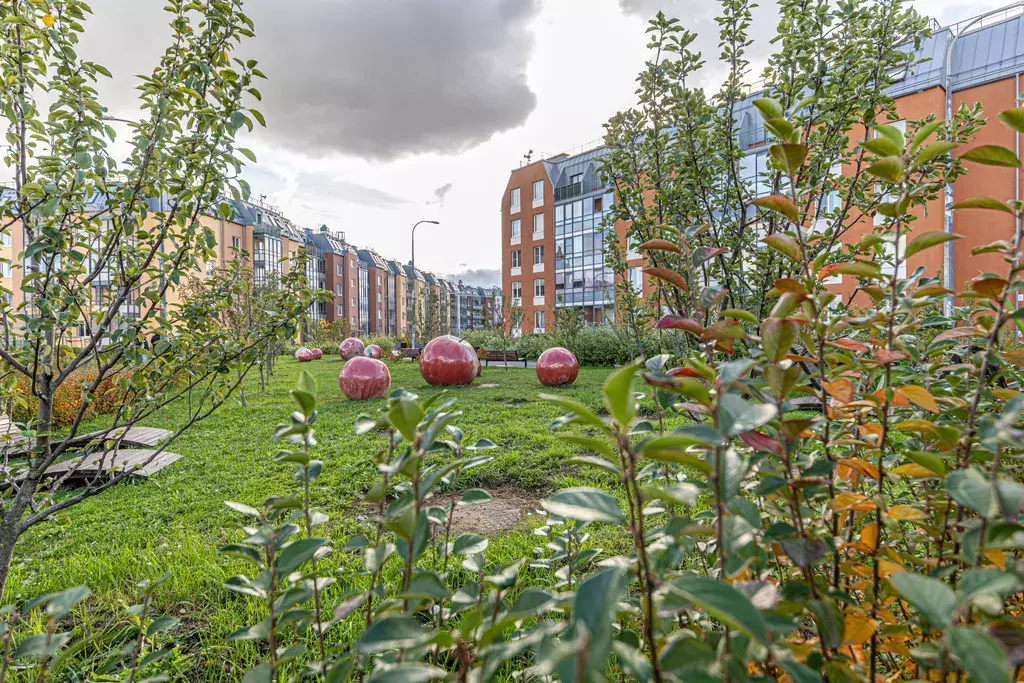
pixel 581 277
pixel 517 259
pixel 517 293
pixel 538 255
pixel 266 256
pixel 515 228
pixel 364 300
pixel 514 202
pixel 538 321
pixel 538 192
pixel 538 287
pixel 538 224
pixel 636 278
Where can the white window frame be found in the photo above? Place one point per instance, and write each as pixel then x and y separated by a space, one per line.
pixel 516 230
pixel 538 197
pixel 514 200
pixel 889 253
pixel 538 225
pixel 517 292
pixel 538 321
pixel 341 310
pixel 636 278
pixel 538 286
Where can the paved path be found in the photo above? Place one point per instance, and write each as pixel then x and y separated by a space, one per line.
pixel 511 364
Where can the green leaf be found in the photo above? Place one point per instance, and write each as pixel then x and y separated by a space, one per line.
pixel 161 624
pixel 247 153
pixel 770 108
pixel 426 585
pixel 374 558
pixel 983 203
pixel 868 269
pixel 243 508
pixel 928 239
pixel 736 415
pixel 259 674
pixel 469 544
pixel 923 133
pixel 929 460
pixel 590 443
pixel 584 505
pixel 392 632
pixel 619 396
pixel 84 160
pixel 992 155
pixel 305 401
pixel 892 134
pixel 784 244
pixel 778 204
pixel 582 413
pixel 788 156
pixel 980 655
pixel 295 553
pixel 1014 118
pixel 881 146
pixel 724 603
pixel 777 337
pixel 259 117
pixel 404 416
pixel 800 673
pixel 475 497
pixel 888 168
pixel 933 150
pixel 594 609
pixel 931 597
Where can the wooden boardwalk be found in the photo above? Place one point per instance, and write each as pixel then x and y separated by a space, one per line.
pixel 135 461
pixel 14 443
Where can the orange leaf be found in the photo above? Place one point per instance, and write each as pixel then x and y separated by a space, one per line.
pixel 888 568
pixel 956 333
pixel 849 344
pixel 915 470
pixel 660 245
pixel 919 426
pixel 989 287
pixel 921 397
pixel 1014 357
pixel 905 513
pixel 841 389
pixel 862 466
pixel 670 276
pixel 885 356
pixel 788 284
pixel 898 399
pixel 851 501
pixel 869 535
pixel 859 629
pixel 48 20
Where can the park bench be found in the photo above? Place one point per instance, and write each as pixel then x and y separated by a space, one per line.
pixel 494 356
pixel 411 353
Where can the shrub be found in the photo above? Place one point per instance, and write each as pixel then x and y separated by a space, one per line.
pixel 106 398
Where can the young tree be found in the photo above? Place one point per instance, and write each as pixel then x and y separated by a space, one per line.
pixel 511 320
pixel 107 242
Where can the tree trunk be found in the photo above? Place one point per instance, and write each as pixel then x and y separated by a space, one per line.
pixel 241 388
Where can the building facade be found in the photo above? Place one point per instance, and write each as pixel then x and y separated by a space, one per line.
pixel 554 211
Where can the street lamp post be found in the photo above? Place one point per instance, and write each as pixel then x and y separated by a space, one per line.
pixel 413 278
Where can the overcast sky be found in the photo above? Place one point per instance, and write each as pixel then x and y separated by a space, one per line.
pixel 384 112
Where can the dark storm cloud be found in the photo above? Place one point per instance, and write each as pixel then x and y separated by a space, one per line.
pixel 374 78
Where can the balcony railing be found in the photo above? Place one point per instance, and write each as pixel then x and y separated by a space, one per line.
pixel 571 190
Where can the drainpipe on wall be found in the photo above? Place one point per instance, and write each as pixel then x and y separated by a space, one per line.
pixel 947 262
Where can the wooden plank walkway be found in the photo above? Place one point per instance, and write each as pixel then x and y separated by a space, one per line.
pixel 12 441
pixel 131 460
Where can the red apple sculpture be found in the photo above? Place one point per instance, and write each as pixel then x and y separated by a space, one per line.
pixel 557 366
pixel 350 348
pixel 447 361
pixel 374 351
pixel 304 355
pixel 364 378
pixel 317 354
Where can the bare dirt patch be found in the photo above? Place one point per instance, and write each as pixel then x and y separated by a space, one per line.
pixel 505 511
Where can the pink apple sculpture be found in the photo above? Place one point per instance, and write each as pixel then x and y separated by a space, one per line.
pixel 303 355
pixel 317 354
pixel 448 361
pixel 557 366
pixel 364 378
pixel 374 351
pixel 350 348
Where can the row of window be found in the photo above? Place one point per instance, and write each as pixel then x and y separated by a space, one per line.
pixel 538 257
pixel 538 225
pixel 517 288
pixel 514 201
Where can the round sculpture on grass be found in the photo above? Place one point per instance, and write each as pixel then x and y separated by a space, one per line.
pixel 364 378
pixel 350 348
pixel 317 354
pixel 303 355
pixel 557 366
pixel 447 361
pixel 374 351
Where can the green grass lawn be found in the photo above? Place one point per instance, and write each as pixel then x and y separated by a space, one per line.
pixel 175 521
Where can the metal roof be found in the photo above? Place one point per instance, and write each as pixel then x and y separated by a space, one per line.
pixel 371 258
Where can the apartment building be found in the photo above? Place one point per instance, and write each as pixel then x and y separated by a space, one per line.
pixel 554 211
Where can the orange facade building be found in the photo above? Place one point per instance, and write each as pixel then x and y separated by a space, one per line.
pixel 552 210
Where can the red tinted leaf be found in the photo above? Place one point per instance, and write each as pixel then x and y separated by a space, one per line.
pixel 885 356
pixel 957 333
pixel 848 344
pixel 761 442
pixel 660 245
pixel 678 322
pixel 670 276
